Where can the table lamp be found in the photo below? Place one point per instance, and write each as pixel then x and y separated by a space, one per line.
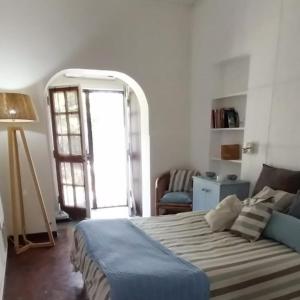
pixel 18 108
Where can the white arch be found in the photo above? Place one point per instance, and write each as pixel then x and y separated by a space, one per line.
pixel 144 108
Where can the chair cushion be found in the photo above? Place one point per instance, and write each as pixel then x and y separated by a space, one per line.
pixel 278 179
pixel 177 197
pixel 181 180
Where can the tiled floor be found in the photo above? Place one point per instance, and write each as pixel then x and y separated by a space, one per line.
pixel 45 273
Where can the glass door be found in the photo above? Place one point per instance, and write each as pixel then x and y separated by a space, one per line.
pixel 68 150
pixel 107 148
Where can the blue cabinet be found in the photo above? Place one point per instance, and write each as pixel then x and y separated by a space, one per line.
pixel 207 193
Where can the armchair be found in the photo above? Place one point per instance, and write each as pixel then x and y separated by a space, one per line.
pixel 171 202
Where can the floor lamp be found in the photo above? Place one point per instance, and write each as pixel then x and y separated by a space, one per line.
pixel 18 108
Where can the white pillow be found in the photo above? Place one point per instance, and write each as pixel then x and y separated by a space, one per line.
pixel 225 213
pixel 231 202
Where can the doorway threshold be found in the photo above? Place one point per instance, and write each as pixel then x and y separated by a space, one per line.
pixel 110 213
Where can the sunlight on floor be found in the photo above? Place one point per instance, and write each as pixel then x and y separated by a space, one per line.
pixel 110 213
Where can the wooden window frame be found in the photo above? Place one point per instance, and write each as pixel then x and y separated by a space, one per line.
pixel 75 212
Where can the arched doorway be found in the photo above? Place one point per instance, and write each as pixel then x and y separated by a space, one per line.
pixel 130 85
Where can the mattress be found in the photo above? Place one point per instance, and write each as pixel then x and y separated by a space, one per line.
pixel 236 268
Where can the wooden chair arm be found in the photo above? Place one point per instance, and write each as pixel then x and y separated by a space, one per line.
pixel 161 186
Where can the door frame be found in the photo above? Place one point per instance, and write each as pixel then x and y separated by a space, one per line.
pixel 147 192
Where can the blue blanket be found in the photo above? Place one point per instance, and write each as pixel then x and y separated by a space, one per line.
pixel 138 267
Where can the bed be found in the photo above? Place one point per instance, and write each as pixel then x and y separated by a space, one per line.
pixel 236 268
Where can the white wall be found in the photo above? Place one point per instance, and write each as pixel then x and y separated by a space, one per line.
pixel 267 30
pixel 148 40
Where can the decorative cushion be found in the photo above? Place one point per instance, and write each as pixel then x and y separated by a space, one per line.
pixel 284 229
pixel 225 213
pixel 177 197
pixel 253 201
pixel 181 180
pixel 294 209
pixel 278 179
pixel 265 193
pixel 282 200
pixel 252 221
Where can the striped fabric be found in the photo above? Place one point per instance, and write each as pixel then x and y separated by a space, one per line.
pixel 253 201
pixel 251 221
pixel 237 269
pixel 282 200
pixel 181 180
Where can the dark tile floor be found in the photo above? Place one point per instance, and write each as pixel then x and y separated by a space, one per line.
pixel 45 273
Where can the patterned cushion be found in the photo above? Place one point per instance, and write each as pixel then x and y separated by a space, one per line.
pixel 177 197
pixel 253 201
pixel 265 193
pixel 282 200
pixel 252 221
pixel 181 180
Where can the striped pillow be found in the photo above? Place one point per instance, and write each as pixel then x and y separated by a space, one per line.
pixel 282 200
pixel 181 180
pixel 254 201
pixel 252 221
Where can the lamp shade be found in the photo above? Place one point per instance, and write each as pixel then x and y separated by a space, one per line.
pixel 15 107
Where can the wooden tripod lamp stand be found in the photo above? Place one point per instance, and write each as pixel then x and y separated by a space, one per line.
pixel 18 108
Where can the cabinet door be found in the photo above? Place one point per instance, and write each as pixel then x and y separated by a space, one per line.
pixel 240 190
pixel 205 195
pixel 199 196
pixel 212 191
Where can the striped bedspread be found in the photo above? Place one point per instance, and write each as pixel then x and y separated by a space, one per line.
pixel 236 268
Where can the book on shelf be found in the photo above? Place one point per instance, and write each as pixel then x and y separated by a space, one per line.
pixel 224 118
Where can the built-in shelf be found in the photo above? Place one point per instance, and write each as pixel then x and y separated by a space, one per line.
pixel 239 94
pixel 228 129
pixel 230 94
pixel 236 161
